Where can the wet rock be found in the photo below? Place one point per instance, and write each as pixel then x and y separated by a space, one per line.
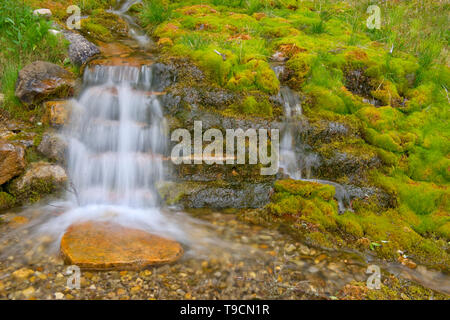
pixel 53 146
pixel 57 112
pixel 407 262
pixel 338 164
pixel 42 80
pixel 80 49
pixel 358 83
pixel 98 245
pixel 279 57
pixel 190 88
pixel 46 13
pixel 163 75
pixel 39 179
pixel 12 161
pixel 215 195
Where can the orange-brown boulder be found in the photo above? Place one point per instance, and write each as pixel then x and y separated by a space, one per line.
pixel 108 246
pixel 12 161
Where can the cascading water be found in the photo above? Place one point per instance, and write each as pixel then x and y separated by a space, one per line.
pixel 296 158
pixel 117 138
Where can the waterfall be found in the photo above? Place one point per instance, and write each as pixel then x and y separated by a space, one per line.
pixel 296 158
pixel 117 138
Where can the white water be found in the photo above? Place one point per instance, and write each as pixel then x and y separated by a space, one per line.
pixel 295 159
pixel 135 32
pixel 117 137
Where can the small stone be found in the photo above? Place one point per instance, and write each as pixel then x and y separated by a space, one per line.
pixel 320 258
pixel 181 292
pixel 59 295
pixel 145 273
pixel 313 269
pixel 22 274
pixel 265 238
pixel 47 13
pixel 290 248
pixel 407 262
pixel 135 290
pixel 28 292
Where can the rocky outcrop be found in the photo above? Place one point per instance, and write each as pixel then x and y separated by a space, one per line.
pixel 190 87
pixel 12 161
pixel 57 112
pixel 41 178
pixel 53 146
pixel 108 246
pixel 43 80
pixel 80 49
pixel 219 195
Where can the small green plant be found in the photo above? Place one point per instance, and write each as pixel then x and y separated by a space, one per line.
pixel 154 12
pixel 23 38
pixel 194 41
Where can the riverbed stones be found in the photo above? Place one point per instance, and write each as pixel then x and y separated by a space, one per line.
pixel 109 246
pixel 41 80
pixel 12 161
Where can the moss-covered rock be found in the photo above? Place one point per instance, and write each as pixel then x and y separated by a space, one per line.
pixel 104 26
pixel 38 181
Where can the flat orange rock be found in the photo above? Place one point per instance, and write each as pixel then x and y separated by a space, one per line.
pixel 108 246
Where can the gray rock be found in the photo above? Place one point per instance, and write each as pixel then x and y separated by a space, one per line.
pixel 53 146
pixel 46 13
pixel 212 195
pixel 80 49
pixel 40 80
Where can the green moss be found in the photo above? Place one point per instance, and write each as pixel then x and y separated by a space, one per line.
pixel 104 26
pixel 6 201
pixel 35 191
pixel 348 224
pixel 322 98
pixel 300 66
pixel 252 106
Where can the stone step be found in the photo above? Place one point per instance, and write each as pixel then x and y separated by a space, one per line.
pixel 139 156
pixel 109 246
pixel 114 92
